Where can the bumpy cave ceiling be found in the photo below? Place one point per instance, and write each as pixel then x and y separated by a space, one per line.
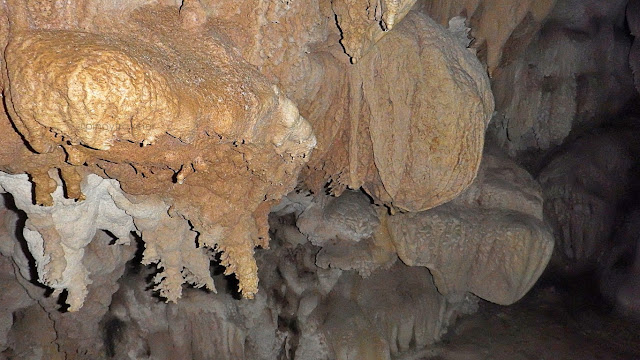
pixel 350 175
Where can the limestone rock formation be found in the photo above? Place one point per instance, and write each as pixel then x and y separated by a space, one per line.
pixel 349 217
pixel 558 84
pixel 583 187
pixel 500 29
pixel 212 139
pixel 438 96
pixel 388 313
pixel 491 241
pixel 363 22
pixel 57 235
pixel 193 125
pixel 335 150
pixel 37 328
pixel 149 329
pixel 347 228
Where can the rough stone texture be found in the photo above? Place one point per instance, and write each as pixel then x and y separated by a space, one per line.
pixel 184 122
pixel 346 227
pixel 79 334
pixel 392 311
pixel 442 150
pixel 363 22
pixel 438 95
pixel 191 122
pixel 149 329
pixel 13 297
pixel 501 29
pixel 503 184
pixel 309 324
pixel 349 217
pixel 556 85
pixel 197 126
pixel 58 235
pixel 583 186
pixel 38 329
pixel 492 242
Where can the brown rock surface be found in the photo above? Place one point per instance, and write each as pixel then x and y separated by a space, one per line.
pixel 491 241
pixel 190 121
pixel 182 116
pixel 363 22
pixel 414 127
pixel 189 125
pixel 501 29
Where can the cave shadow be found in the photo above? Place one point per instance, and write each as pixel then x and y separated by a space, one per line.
pixel 18 234
pixel 228 284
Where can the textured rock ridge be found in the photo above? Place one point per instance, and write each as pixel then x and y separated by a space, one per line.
pixel 363 23
pixel 57 235
pixel 491 241
pixel 413 131
pixel 334 173
pixel 583 188
pixel 190 125
pixel 181 116
pixel 556 85
pixel 501 29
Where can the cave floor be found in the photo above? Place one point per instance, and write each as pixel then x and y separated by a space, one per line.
pixel 547 324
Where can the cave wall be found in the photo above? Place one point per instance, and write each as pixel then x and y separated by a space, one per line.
pixel 311 180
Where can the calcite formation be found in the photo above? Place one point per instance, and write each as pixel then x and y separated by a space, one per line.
pixel 501 29
pixel 348 135
pixel 363 23
pixel 148 329
pixel 388 313
pixel 583 187
pixel 491 241
pixel 566 87
pixel 176 114
pixel 348 230
pixel 438 96
pixel 58 235
pixel 349 217
pixel 202 144
pixel 37 328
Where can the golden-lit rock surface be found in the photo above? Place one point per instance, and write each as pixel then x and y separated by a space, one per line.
pixel 162 99
pixel 176 114
pixel 363 22
pixel 413 130
pixel 316 180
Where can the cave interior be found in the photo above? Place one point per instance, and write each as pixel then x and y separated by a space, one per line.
pixel 320 179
